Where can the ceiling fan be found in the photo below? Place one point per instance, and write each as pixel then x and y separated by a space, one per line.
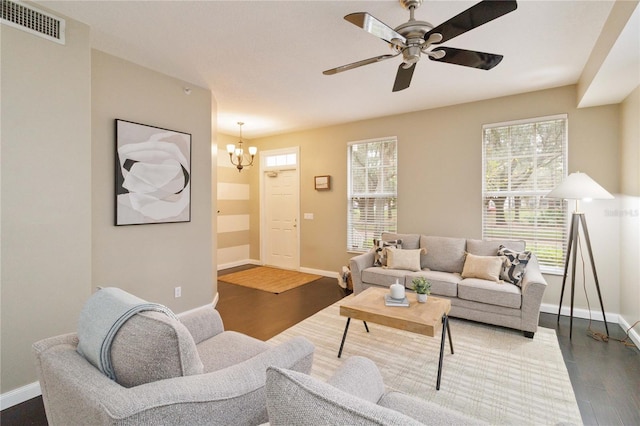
pixel 414 38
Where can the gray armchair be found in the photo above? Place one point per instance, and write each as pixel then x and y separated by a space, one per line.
pixel 168 371
pixel 354 395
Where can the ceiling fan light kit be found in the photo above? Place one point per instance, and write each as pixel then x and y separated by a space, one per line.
pixel 414 38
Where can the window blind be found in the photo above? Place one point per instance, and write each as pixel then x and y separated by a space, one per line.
pixel 372 191
pixel 522 162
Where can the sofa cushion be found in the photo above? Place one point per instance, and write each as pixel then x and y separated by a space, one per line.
pixel 383 276
pixel 484 267
pixel 489 292
pixel 442 283
pixel 491 247
pixel 403 258
pixel 379 248
pixel 409 241
pixel 444 254
pixel 151 346
pixel 514 264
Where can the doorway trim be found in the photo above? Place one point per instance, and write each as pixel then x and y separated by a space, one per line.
pixel 264 169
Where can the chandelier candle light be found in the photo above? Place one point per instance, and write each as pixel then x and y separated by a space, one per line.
pixel 579 186
pixel 236 152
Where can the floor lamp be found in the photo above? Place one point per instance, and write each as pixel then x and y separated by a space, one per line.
pixel 579 186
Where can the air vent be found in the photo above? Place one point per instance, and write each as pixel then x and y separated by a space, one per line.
pixel 27 18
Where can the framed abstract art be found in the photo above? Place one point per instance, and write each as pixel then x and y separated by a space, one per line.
pixel 153 175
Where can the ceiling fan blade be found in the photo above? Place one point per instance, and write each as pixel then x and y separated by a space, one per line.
pixel 476 15
pixel 468 58
pixel 358 64
pixel 403 77
pixel 374 26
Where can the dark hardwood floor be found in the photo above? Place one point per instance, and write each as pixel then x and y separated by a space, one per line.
pixel 605 375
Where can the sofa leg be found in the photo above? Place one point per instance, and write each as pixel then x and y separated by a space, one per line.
pixel 528 334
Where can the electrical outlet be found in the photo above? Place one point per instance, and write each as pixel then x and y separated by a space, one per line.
pixel 177 292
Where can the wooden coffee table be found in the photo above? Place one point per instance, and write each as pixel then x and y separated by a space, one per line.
pixel 421 318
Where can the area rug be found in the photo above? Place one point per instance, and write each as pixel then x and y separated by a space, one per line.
pixel 495 374
pixel 269 279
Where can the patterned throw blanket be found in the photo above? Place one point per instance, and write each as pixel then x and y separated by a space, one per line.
pixel 101 318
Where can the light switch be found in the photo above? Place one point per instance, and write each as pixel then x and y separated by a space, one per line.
pixel 308 216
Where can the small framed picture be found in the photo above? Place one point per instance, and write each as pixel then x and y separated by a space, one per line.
pixel 322 182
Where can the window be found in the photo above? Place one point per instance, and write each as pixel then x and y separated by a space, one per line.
pixel 372 192
pixel 277 160
pixel 522 162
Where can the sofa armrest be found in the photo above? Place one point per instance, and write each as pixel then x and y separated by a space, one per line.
pixel 203 323
pixel 533 287
pixel 358 264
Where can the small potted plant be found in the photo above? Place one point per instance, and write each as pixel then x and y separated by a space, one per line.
pixel 422 287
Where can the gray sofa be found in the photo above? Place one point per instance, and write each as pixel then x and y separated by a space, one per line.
pixel 168 372
pixel 354 395
pixel 484 300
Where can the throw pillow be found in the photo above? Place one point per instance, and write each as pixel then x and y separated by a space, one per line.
pixel 514 264
pixel 483 267
pixel 403 259
pixel 379 246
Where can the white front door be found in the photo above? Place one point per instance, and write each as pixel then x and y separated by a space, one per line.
pixel 281 219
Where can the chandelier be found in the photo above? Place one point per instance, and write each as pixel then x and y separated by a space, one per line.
pixel 236 153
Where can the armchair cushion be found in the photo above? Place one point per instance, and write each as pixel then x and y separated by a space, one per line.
pixel 151 346
pixel 228 348
pixel 355 394
pixel 296 398
pixel 425 411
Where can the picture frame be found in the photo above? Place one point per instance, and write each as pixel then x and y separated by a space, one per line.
pixel 322 183
pixel 152 174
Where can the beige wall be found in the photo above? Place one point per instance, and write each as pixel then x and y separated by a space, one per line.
pixel 150 260
pixel 234 207
pixel 59 103
pixel 439 176
pixel 46 192
pixel 629 212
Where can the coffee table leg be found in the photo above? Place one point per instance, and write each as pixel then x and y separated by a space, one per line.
pixel 445 328
pixel 344 336
pixel 449 333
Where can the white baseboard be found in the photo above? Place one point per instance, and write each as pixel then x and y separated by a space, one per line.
pixel 329 274
pixel 238 263
pixel 579 313
pixel 596 316
pixel 633 334
pixel 20 395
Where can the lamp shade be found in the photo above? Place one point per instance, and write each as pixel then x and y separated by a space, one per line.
pixel 579 186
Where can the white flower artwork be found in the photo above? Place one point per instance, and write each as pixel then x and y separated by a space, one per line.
pixel 153 175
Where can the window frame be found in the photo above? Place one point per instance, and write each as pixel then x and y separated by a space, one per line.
pixel 353 245
pixel 557 268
